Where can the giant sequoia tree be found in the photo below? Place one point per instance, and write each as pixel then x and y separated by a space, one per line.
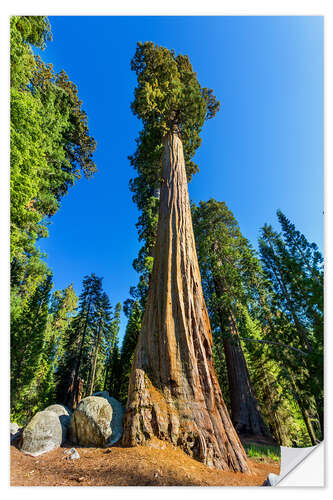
pixel 173 391
pixel 229 270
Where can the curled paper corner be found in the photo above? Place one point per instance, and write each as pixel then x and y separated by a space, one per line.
pixel 300 467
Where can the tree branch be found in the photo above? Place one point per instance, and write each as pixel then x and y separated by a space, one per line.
pixel 275 343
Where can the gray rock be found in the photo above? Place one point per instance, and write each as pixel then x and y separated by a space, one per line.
pixel 15 431
pixel 272 480
pixel 64 415
pixel 59 410
pixel 73 454
pixel 97 421
pixel 118 412
pixel 13 427
pixel 43 433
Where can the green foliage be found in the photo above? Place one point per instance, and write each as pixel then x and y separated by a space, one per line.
pixel 263 452
pixel 50 142
pixel 115 371
pixel 50 149
pixel 89 343
pixel 168 97
pixel 168 94
pixel 294 267
pixel 134 313
pixel 112 358
pixel 227 261
pixel 234 283
pixel 29 313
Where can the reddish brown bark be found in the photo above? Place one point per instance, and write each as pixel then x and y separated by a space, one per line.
pixel 174 393
pixel 245 411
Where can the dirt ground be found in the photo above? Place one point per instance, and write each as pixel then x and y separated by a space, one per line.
pixel 159 465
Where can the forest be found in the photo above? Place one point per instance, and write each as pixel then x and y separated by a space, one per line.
pixel 264 308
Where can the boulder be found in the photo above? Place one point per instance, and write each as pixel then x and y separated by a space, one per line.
pixel 43 433
pixel 118 412
pixel 64 415
pixel 272 480
pixel 15 431
pixel 59 410
pixel 97 421
pixel 13 427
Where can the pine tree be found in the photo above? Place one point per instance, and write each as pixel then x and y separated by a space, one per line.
pixel 293 300
pixel 61 313
pixel 306 282
pixel 50 143
pixel 112 368
pixel 134 313
pixel 78 343
pixel 50 150
pixel 28 326
pixel 103 318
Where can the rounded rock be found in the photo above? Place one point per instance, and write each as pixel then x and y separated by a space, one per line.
pixel 42 434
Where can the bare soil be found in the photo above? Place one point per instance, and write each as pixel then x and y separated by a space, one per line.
pixel 159 465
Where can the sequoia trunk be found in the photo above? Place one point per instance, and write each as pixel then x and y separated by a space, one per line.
pixel 173 391
pixel 245 412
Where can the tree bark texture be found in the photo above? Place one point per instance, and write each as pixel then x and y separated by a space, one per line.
pixel 245 412
pixel 174 394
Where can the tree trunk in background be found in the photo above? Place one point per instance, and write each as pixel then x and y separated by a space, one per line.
pixel 245 411
pixel 173 390
pixel 94 362
pixel 304 412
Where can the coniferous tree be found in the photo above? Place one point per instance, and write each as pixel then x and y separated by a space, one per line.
pixel 293 299
pixel 306 281
pixel 229 270
pixel 50 142
pixel 179 382
pixel 102 322
pixel 78 343
pixel 28 327
pixel 134 314
pixel 115 372
pixel 61 313
pixel 112 367
pixel 50 149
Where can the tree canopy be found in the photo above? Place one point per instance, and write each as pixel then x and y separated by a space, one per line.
pixel 168 94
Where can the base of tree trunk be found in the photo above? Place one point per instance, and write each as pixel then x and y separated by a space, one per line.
pixel 187 424
pixel 245 412
pixel 174 393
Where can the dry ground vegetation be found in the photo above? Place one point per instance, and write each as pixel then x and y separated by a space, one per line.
pixel 161 464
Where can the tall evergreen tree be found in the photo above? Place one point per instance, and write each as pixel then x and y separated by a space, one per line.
pixel 50 149
pixel 172 373
pixel 112 366
pixel 28 326
pixel 79 340
pixel 134 314
pixel 293 287
pixel 229 269
pixel 50 142
pixel 101 330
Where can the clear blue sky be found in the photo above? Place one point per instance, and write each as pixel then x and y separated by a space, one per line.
pixel 263 151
